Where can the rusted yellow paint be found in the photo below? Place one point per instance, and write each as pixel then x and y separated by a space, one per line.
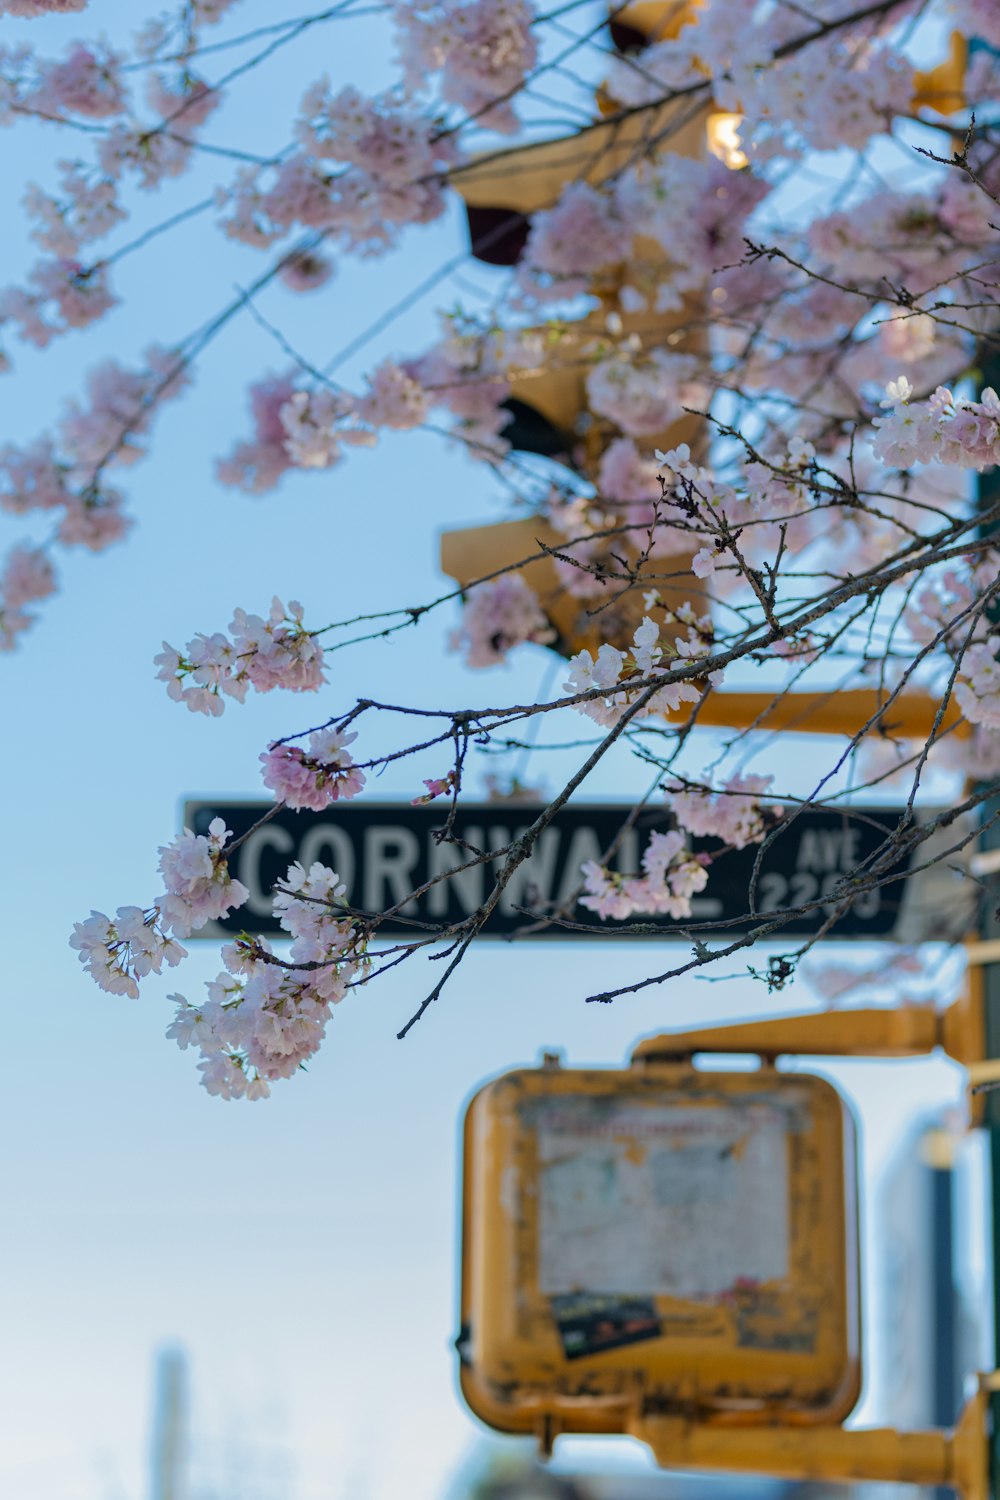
pixel 907 716
pixel 943 87
pixel 957 1459
pixel 658 20
pixel 785 1349
pixel 902 1031
pixel 479 551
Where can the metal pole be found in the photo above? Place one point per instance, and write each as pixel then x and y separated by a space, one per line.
pixel 990 984
pixel 954 1459
pixel 169 1427
pixel 989 493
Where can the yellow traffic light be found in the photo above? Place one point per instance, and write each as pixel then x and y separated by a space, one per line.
pixel 943 88
pixel 658 1239
pixel 478 551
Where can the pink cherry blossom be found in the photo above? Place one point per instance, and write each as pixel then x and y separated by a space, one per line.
pixel 645 396
pixel 33 478
pixel 316 777
pixel 944 429
pixel 671 877
pixel 696 210
pixel 437 786
pixel 151 156
pixel 978 689
pixel 94 519
pixel 63 289
pixel 33 8
pixel 184 100
pixel 394 159
pixel 118 952
pixel 736 814
pixel 198 886
pixel 119 409
pixel 261 1022
pixel 625 476
pixel 582 234
pixel 482 48
pixel 263 654
pixel 395 399
pixel 498 616
pixel 312 421
pixel 88 83
pixel 209 12
pixel 978 18
pixel 28 575
pixel 611 671
pixel 86 209
pixel 257 465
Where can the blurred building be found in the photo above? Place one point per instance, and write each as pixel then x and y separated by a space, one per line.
pixel 935 1313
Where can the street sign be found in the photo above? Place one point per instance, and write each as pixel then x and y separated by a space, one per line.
pixel 658 1237
pixel 382 852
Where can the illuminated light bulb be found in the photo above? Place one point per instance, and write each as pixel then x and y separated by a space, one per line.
pixel 723 132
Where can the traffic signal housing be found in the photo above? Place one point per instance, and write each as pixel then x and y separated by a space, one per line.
pixel 659 1239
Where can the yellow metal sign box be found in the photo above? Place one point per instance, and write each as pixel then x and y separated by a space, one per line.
pixel 654 1240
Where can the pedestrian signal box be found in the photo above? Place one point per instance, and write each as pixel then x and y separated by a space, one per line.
pixel 655 1240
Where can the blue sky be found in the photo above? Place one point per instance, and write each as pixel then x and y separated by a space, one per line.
pixel 302 1251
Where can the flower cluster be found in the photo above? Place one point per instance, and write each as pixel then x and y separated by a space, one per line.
pixel 262 654
pixel 32 8
pixel 696 212
pixel 496 617
pixel 663 67
pixel 944 429
pixel 945 607
pixel 979 18
pixel 88 83
pixel 482 50
pixel 307 429
pixel 978 688
pixel 315 777
pixel 27 576
pixel 390 169
pixel 643 396
pixel 198 885
pixel 625 477
pixel 118 952
pixel 581 234
pixel 313 423
pixel 64 295
pixel 60 475
pixel 468 373
pixel 104 432
pixel 830 97
pixel 611 671
pixel 85 208
pixel 671 877
pixel 257 464
pixel 735 813
pixel 395 399
pixel 263 1019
